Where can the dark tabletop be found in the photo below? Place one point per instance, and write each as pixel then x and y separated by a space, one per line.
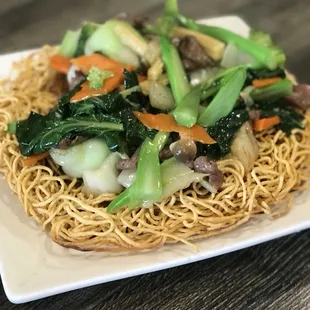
pixel 275 275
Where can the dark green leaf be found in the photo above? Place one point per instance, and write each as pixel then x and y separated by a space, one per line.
pixel 87 30
pixel 223 132
pixel 256 74
pixel 290 119
pixel 36 141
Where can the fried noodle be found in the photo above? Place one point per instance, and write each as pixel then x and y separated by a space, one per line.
pixel 77 220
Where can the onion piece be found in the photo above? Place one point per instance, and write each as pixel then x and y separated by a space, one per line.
pixel 245 147
pixel 127 177
pixel 203 75
pixel 234 57
pixel 176 176
pixel 160 96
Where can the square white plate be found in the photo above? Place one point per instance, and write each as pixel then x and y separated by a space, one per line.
pixel 33 267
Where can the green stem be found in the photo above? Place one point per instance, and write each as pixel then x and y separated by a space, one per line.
pixel 186 112
pixel 12 127
pixel 269 57
pixel 273 92
pixel 225 100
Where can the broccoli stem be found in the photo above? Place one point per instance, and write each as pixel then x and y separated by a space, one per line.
pixel 273 92
pixel 269 57
pixel 187 100
pixel 225 100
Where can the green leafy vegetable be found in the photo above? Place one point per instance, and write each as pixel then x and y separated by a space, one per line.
pixel 225 100
pixel 46 134
pixel 96 77
pixel 264 73
pixel 105 41
pixel 223 131
pixel 86 32
pixel 290 119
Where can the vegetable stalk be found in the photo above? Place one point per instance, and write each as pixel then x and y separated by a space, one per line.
pixel 225 100
pixel 187 100
pixel 148 183
pixel 273 92
pixel 271 57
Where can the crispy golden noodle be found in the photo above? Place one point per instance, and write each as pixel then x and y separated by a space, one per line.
pixel 79 221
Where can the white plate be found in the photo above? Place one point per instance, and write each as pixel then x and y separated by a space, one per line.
pixel 33 267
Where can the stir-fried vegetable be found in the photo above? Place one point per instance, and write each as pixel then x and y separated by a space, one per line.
pixel 83 157
pixel 148 183
pixel 166 123
pixel 270 57
pixel 187 100
pixel 129 36
pixel 266 123
pixel 105 40
pixel 265 82
pixel 213 47
pixel 96 77
pixel 160 96
pixel 245 147
pixel 86 32
pixel 86 62
pixel 273 92
pixel 225 100
pixel 104 179
pixel 69 44
pixel 32 160
pixel 136 101
pixel 60 63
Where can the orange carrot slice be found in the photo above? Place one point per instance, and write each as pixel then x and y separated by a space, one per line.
pixel 32 160
pixel 85 63
pixel 265 82
pixel 166 122
pixel 60 64
pixel 108 85
pixel 265 123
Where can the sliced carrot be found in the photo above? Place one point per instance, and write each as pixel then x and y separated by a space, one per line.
pixel 85 63
pixel 265 123
pixel 166 122
pixel 60 64
pixel 265 82
pixel 108 85
pixel 32 160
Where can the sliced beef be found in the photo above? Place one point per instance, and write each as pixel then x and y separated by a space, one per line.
pixel 192 54
pixel 300 97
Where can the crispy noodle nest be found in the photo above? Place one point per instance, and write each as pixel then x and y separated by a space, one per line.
pixel 80 221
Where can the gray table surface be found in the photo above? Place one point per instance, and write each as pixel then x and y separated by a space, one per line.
pixel 275 275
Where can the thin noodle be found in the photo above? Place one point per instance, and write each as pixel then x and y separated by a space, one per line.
pixel 80 221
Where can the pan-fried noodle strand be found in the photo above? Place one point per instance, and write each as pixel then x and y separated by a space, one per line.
pixel 77 220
